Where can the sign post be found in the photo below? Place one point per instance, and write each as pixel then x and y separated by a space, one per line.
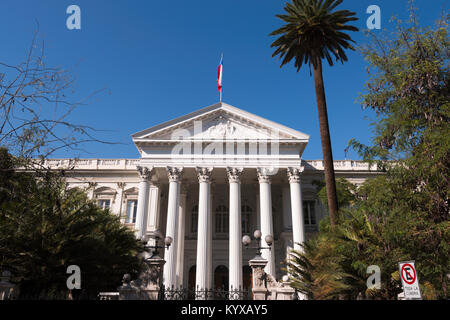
pixel 410 282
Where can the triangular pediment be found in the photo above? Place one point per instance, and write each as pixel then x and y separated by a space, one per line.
pixel 219 122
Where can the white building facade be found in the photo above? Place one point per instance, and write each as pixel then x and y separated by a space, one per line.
pixel 208 178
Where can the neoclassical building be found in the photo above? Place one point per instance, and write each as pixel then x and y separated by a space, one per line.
pixel 208 178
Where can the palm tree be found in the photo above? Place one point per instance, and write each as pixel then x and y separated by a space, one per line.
pixel 313 32
pixel 316 270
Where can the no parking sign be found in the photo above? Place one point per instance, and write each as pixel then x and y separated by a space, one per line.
pixel 410 282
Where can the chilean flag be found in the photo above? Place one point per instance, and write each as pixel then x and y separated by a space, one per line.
pixel 219 75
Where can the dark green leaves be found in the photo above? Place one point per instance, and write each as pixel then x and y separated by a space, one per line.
pixel 44 228
pixel 312 32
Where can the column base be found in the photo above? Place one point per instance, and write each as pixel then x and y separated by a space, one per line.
pixel 260 294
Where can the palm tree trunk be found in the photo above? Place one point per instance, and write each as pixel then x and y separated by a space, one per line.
pixel 326 143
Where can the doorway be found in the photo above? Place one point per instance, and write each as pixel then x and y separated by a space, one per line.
pixel 221 277
pixel 247 280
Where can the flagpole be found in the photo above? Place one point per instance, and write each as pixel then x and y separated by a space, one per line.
pixel 221 89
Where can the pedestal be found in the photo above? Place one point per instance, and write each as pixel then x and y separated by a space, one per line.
pixel 259 289
pixel 148 285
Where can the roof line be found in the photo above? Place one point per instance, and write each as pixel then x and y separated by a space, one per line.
pixel 226 107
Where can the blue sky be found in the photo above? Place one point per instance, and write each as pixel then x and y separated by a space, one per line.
pixel 158 60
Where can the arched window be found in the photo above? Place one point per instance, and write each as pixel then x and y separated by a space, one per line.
pixel 221 219
pixel 221 277
pixel 191 282
pixel 194 219
pixel 246 213
pixel 247 280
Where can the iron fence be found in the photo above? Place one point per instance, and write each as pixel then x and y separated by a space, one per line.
pixel 204 294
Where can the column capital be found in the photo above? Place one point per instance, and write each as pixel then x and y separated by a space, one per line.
pixel 234 174
pixel 145 173
pixel 264 175
pixel 294 174
pixel 204 174
pixel 174 173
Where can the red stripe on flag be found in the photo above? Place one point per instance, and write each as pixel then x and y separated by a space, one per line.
pixel 219 78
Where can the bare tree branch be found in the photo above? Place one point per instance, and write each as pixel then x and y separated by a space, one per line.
pixel 35 105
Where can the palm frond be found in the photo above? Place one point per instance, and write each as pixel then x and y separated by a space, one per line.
pixel 313 31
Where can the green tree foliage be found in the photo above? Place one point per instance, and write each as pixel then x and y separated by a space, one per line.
pixel 44 228
pixel 317 269
pixel 404 214
pixel 345 192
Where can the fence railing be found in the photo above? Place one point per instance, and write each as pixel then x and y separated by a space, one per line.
pixel 205 294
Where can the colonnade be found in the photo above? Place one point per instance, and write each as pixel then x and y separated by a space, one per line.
pixel 174 254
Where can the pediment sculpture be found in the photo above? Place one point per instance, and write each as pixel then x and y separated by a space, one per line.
pixel 222 130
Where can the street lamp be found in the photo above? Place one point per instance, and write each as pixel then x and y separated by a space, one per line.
pixel 246 240
pixel 157 235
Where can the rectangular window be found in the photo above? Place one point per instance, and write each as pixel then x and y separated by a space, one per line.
pixel 194 219
pixel 194 223
pixel 131 211
pixel 309 212
pixel 222 217
pixel 104 204
pixel 246 212
pixel 245 223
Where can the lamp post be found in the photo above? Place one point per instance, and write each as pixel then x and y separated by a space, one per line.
pixel 157 235
pixel 149 284
pixel 246 240
pixel 259 289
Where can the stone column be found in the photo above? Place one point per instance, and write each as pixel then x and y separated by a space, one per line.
pixel 142 209
pixel 235 244
pixel 286 235
pixel 258 213
pixel 153 211
pixel 119 201
pixel 264 179
pixel 204 216
pixel 287 215
pixel 91 186
pixel 298 228
pixel 170 255
pixel 209 268
pixel 181 232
